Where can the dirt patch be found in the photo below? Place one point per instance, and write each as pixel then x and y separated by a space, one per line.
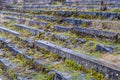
pixel 111 58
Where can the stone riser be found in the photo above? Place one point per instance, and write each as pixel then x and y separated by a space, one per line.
pixel 96 33
pixel 88 62
pixel 89 32
pixel 53 19
pixel 9 31
pixel 30 21
pixel 70 13
pixel 34 31
pixel 15 52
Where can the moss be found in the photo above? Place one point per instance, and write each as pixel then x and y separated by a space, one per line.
pixel 84 24
pixel 51 56
pixel 30 52
pixel 11 74
pixel 65 24
pixel 2 66
pixel 72 63
pixel 83 16
pixel 118 41
pixel 54 13
pixel 43 76
pixel 114 10
pixel 91 73
pixel 25 62
pixel 47 26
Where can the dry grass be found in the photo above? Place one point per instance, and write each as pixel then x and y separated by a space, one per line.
pixel 112 58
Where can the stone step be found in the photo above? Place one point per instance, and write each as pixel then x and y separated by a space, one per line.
pixel 31 22
pixel 70 13
pixel 32 30
pixel 37 63
pixel 91 32
pixel 87 61
pixel 9 31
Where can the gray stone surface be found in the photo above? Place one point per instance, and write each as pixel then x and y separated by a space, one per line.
pixel 80 40
pixel 62 28
pixel 61 76
pixel 33 31
pixel 92 32
pixel 112 71
pixel 101 47
pixel 9 31
pixel 60 37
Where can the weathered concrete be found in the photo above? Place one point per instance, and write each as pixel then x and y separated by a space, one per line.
pixel 15 51
pixel 80 40
pixel 101 47
pixel 77 22
pixel 61 28
pixel 60 37
pixel 4 63
pixel 92 32
pixel 110 70
pixel 9 31
pixel 34 31
pixel 31 22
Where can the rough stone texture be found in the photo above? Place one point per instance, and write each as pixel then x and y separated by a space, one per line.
pixel 112 71
pixel 92 32
pixel 43 17
pixel 62 29
pixel 101 47
pixel 80 40
pixel 11 18
pixel 70 13
pixel 47 33
pixel 77 22
pixel 58 75
pixel 31 22
pixel 103 14
pixel 34 31
pixel 13 49
pixel 61 76
pixel 9 31
pixel 43 24
pixel 5 63
pixel 28 41
pixel 4 40
pixel 60 37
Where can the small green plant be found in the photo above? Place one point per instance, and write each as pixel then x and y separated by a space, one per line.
pixel 11 74
pixel 84 24
pixel 72 63
pixel 114 10
pixel 43 76
pixel 118 41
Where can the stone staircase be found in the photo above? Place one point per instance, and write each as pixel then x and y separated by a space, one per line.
pixel 57 45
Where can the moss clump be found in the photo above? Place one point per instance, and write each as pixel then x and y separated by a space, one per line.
pixel 84 24
pixel 2 66
pixel 43 76
pixel 90 72
pixel 118 40
pixel 72 63
pixel 83 16
pixel 54 13
pixel 51 56
pixel 115 10
pixel 11 74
